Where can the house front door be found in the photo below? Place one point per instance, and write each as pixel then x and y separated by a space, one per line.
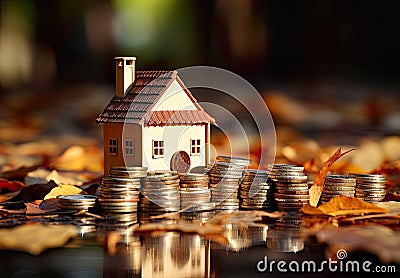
pixel 180 162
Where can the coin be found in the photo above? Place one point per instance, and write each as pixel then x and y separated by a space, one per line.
pixel 290 184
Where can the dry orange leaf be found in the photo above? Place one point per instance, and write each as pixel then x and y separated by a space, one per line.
pixel 35 238
pixel 318 185
pixel 343 205
pixel 63 189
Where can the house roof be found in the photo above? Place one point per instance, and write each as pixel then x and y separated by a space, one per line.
pixel 135 107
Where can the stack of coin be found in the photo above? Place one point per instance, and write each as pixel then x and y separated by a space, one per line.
pixel 195 195
pixel 260 197
pixel 76 202
pixel 291 187
pixel 225 175
pixel 160 192
pixel 119 192
pixel 370 188
pixel 336 185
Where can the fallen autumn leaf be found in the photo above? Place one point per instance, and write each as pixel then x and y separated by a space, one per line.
pixel 318 185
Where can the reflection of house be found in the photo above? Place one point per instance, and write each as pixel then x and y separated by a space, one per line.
pixel 175 255
pixel 153 121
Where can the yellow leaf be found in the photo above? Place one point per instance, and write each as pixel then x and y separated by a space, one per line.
pixel 35 238
pixel 63 189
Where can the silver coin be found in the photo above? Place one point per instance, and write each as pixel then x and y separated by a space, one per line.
pixel 77 197
pixel 338 187
pixel 234 160
pixel 340 178
pixel 285 166
pixel 368 176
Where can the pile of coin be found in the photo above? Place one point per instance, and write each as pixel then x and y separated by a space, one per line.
pixel 370 188
pixel 76 202
pixel 195 195
pixel 160 192
pixel 290 184
pixel 225 175
pixel 119 192
pixel 255 192
pixel 336 185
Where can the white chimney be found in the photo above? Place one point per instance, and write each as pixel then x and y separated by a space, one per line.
pixel 124 74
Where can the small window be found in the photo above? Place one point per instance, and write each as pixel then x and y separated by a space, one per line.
pixel 113 146
pixel 129 147
pixel 158 149
pixel 129 62
pixel 195 146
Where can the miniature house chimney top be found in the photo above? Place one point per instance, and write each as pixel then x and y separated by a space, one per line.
pixel 124 74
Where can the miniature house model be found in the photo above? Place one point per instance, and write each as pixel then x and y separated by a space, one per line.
pixel 153 121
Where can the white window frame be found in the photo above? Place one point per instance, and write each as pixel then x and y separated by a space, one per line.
pixel 113 146
pixel 159 150
pixel 195 146
pixel 129 147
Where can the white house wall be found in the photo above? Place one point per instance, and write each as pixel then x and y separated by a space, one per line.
pixel 174 98
pixel 176 138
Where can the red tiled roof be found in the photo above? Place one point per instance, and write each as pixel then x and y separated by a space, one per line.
pixel 176 117
pixel 135 107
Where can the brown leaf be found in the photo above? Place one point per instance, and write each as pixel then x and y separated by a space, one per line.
pixel 318 185
pixel 32 208
pixel 343 205
pixel 49 204
pixel 35 238
pixel 18 173
pixel 34 192
pixel 375 239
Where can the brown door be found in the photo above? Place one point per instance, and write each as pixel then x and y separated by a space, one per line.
pixel 180 162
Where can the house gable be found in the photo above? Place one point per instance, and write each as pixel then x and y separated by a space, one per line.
pixel 174 98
